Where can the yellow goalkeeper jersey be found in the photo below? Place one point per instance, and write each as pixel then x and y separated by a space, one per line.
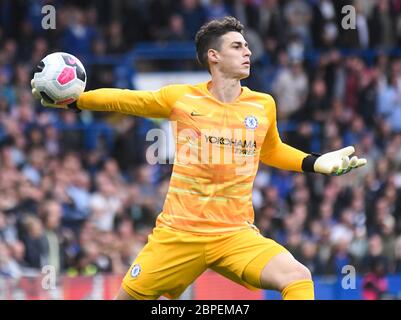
pixel 218 148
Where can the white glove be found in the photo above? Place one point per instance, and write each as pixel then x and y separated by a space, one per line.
pixel 43 102
pixel 337 162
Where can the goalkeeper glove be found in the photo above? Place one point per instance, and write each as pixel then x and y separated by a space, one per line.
pixel 333 163
pixel 43 102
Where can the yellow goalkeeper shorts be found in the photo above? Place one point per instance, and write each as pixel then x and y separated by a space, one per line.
pixel 172 260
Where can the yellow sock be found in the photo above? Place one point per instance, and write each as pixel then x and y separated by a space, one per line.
pixel 299 290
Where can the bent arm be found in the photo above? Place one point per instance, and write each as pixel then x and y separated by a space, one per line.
pixel 283 156
pixel 277 154
pixel 280 155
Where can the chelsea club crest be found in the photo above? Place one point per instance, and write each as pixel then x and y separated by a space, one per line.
pixel 251 122
pixel 135 271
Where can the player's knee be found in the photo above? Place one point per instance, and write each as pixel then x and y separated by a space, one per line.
pixel 298 272
pixel 283 270
pixel 303 272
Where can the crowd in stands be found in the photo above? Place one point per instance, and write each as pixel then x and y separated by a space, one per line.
pixel 77 192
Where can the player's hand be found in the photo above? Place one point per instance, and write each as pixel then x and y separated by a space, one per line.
pixel 36 94
pixel 337 162
pixel 43 102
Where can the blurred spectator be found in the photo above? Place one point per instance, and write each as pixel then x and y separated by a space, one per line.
pixel 298 16
pixel 80 33
pixel 51 217
pixel 79 192
pixel 340 257
pixel 362 27
pixel 310 258
pixel 105 204
pixel 324 25
pixel 130 246
pixel 317 105
pixel 116 41
pixel 34 241
pixel 8 266
pixel 216 9
pixel 175 30
pixel 194 16
pixel 8 231
pixel 374 256
pixel 290 89
pixel 71 137
pixel 381 25
pixel 343 231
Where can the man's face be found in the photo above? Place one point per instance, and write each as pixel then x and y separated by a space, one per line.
pixel 233 56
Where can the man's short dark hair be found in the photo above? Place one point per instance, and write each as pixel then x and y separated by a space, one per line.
pixel 208 36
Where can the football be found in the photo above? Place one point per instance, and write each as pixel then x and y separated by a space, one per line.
pixel 60 78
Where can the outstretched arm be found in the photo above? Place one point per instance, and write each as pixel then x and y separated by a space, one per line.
pixel 152 104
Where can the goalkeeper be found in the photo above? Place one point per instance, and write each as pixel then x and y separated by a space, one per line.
pixel 207 218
